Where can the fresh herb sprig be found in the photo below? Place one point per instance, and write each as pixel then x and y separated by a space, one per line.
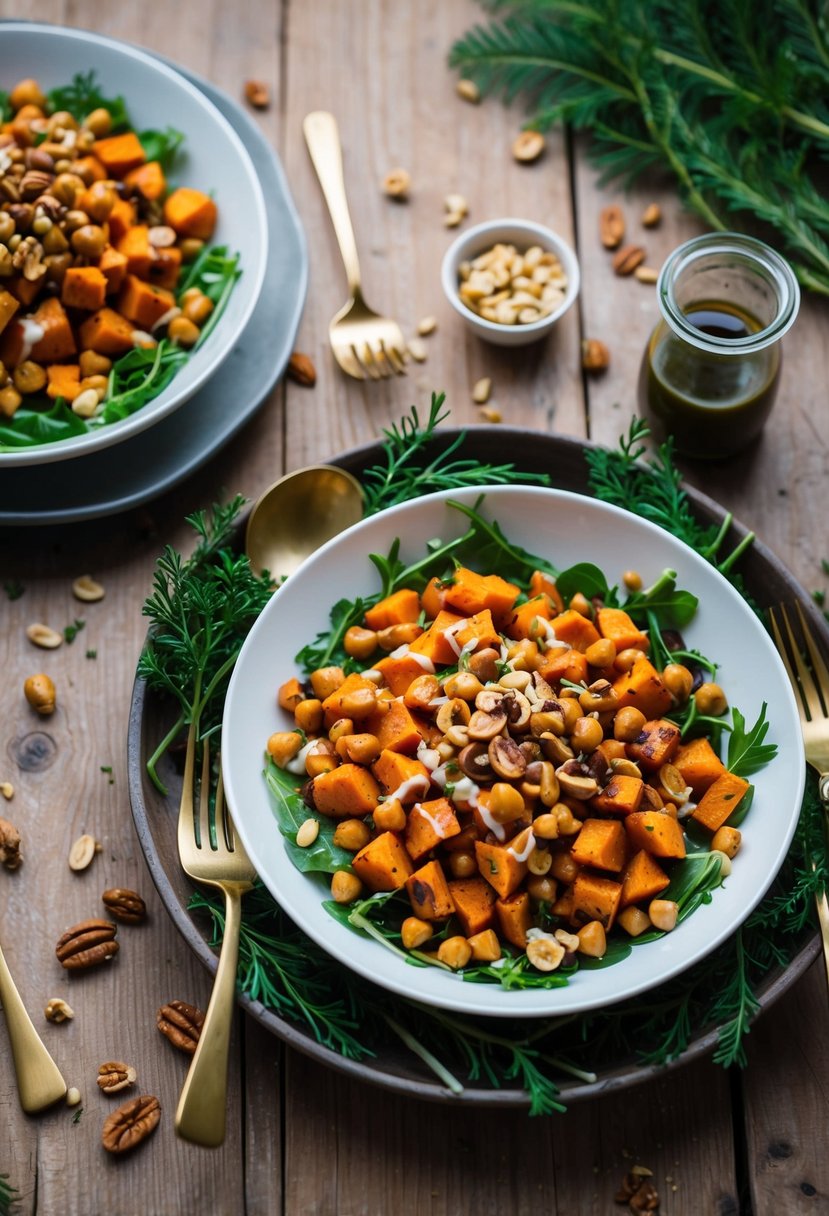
pixel 9 1195
pixel 726 96
pixel 83 95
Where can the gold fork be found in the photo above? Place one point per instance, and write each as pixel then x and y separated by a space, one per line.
pixel 366 345
pixel 219 861
pixel 39 1082
pixel 811 690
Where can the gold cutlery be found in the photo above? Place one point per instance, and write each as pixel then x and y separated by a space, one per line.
pixel 810 682
pixel 218 859
pixel 39 1082
pixel 366 345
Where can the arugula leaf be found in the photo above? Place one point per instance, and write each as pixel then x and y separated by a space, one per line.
pixel 321 857
pixel 83 96
pixel 30 427
pixel 161 145
pixel 746 751
pixel 5 115
pixel 676 608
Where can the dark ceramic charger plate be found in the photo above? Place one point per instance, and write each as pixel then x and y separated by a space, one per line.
pixel 766 578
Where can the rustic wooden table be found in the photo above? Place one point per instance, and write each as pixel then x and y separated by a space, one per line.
pixel 302 1139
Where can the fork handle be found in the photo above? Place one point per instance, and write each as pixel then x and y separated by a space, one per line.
pixel 323 140
pixel 39 1082
pixel 202 1108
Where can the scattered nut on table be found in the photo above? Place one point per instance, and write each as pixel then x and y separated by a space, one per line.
pixel 257 94
pixel 426 326
pixel 595 356
pixel 87 944
pixel 481 390
pixel 181 1024
pixel 646 274
pixel 43 636
pixel 652 215
pixel 397 183
pixel 39 691
pixel 611 226
pixel 528 146
pixel 73 1095
pixel 468 90
pixel 82 853
pixel 113 1076
pixel 57 1010
pixel 628 258
pixel 457 208
pixel 86 589
pixel 7 790
pixel 10 855
pixel 301 370
pixel 125 905
pixel 491 414
pixel 131 1124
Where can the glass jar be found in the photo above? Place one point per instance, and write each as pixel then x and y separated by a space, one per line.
pixel 712 365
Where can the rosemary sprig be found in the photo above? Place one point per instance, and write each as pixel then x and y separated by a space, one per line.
pixel 9 1195
pixel 727 95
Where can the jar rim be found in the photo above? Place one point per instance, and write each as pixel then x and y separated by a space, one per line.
pixel 752 251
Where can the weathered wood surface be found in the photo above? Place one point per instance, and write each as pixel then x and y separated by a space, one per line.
pixel 302 1139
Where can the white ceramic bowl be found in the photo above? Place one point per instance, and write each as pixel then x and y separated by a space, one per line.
pixel 566 528
pixel 213 158
pixel 522 234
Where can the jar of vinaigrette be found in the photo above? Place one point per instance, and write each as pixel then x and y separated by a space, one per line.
pixel 711 368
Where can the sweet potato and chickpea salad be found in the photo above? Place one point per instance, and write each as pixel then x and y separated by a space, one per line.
pixel 107 280
pixel 510 777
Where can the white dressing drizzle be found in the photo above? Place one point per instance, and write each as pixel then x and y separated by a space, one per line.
pixel 166 317
pixel 32 333
pixel 428 755
pixel 297 763
pixel 417 784
pixel 498 830
pixel 527 849
pixel 465 790
pixel 435 824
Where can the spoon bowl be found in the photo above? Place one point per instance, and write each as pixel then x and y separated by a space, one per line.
pixel 297 514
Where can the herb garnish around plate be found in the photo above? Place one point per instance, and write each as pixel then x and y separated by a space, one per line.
pixel 728 97
pixel 290 975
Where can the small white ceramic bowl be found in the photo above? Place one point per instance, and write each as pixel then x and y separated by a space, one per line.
pixel 522 234
pixel 212 158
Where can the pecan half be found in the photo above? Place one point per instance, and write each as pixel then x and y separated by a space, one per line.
pixel 9 845
pixel 131 1124
pixel 86 944
pixel 611 226
pixel 181 1024
pixel 114 1076
pixel 628 258
pixel 125 905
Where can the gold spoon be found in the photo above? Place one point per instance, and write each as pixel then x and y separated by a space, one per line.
pixel 39 1082
pixel 297 514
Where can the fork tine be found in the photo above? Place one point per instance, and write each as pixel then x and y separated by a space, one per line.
pixel 223 813
pixel 366 361
pixel 346 356
pixel 393 359
pixel 378 358
pixel 805 682
pixel 821 675
pixel 205 841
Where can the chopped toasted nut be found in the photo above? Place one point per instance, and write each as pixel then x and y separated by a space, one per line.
pixel 417 350
pixel 491 415
pixel 257 94
pixel 87 590
pixel 595 356
pixel 481 390
pixel 9 845
pixel 528 146
pixel 57 1010
pixel 43 636
pixel 646 274
pixel 82 853
pixel 426 326
pixel 7 790
pixel 396 184
pixel 456 204
pixel 453 218
pixel 73 1096
pixel 468 90
pixel 652 215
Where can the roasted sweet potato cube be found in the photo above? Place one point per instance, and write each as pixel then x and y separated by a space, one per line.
pixel 500 866
pixel 543 584
pixel 620 796
pixel 656 745
pixel 401 672
pixel 83 287
pixel 699 765
pixel 148 179
pixel 8 307
pixel 346 792
pixel 642 687
pixel 559 664
pixel 595 898
pixel 120 153
pixel 434 644
pixel 383 864
pixel 399 608
pixel 431 599
pixel 470 593
pixel 657 833
pixel 642 879
pixel 395 729
pixel 121 218
pixel 191 213
pixel 428 824
pixel 64 380
pixel 529 619
pixel 615 624
pixel 165 267
pixel 401 777
pixel 601 843
pixel 479 629
pixel 720 801
pixel 514 918
pixel 136 248
pixel 474 902
pixel 141 302
pixel 333 705
pixel 429 892
pixel 576 630
pixel 107 332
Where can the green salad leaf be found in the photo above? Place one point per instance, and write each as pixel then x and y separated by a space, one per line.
pixel 83 95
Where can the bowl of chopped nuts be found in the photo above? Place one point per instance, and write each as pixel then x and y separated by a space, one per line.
pixel 510 280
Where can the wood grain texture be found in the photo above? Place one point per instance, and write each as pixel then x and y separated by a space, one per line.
pixel 301 1139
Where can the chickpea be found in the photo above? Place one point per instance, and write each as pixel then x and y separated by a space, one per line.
pixel 320 758
pixel 398 635
pixel 89 240
pixel 342 728
pixel 360 703
pixel 27 93
pixel 75 219
pixel 601 653
pixel 359 643
pixel 663 914
pixel 62 120
pixel 523 655
pixel 455 952
pixel 198 309
pixel 464 685
pixel 726 840
pixel 634 921
pixel 308 715
pixel 359 749
pixel 352 835
pixel 345 887
pixel 389 816
pixel 632 580
pixel 571 709
pixel 326 680
pixel 710 699
pixel 542 888
pixel 190 248
pixel 626 658
pixel 592 939
pixel 463 865
pixel 545 827
pixel 563 867
pixel 29 377
pixel 183 332
pixel 97 201
pixel 290 693
pixel 485 946
pixel 628 724
pixel 10 401
pixel 66 188
pixel 679 681
pixel 99 122
pixel 414 932
pixel 539 861
pixel 581 604
pixel 283 745
pixel 586 735
pixel 6 226
pixel 93 364
pixel 506 803
pixel 485 664
pixel 40 692
pixel 421 692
